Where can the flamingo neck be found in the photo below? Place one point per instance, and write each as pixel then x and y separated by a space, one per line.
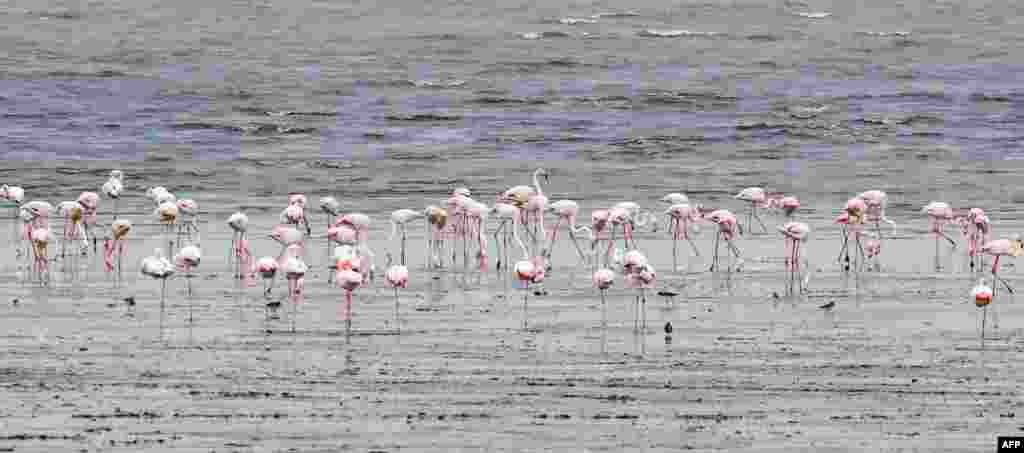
pixel 536 182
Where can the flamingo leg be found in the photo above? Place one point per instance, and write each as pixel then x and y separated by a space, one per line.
pixel 763 227
pixel 674 230
pixel 403 244
pixel 497 242
pixel 604 313
pixel 643 308
pixel 714 261
pixel 398 327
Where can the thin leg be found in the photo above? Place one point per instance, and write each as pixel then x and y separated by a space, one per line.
pixel 763 227
pixel 579 250
pixel 714 261
pixel 398 327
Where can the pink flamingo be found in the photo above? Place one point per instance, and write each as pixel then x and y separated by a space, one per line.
pixel 939 214
pixel 267 268
pixel 519 196
pixel 159 268
pixel 189 211
pixel 788 205
pixel 599 221
pixel 476 218
pixel 507 213
pixel 638 273
pixel 529 271
pixel 73 231
pixel 298 200
pixel 983 295
pixel 342 234
pixel 795 233
pixel 113 188
pixel 1002 247
pixel 455 206
pixel 115 244
pixel 757 197
pixel 90 203
pixel 187 259
pixel 875 202
pixel 348 279
pixel 852 220
pixel 727 228
pixel 437 219
pixel 167 214
pixel 16 196
pixel 241 257
pixel 286 236
pixel 603 279
pixel 682 217
pixel 398 277
pixel 35 214
pixel 872 248
pixel 40 238
pixel 399 221
pixel 566 210
pixel 976 229
pixel 294 215
pixel 295 271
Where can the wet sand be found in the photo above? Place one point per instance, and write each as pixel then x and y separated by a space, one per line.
pixel 895 365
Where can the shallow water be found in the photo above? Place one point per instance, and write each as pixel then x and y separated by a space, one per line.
pixel 389 106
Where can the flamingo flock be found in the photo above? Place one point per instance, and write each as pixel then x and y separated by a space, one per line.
pixel 459 223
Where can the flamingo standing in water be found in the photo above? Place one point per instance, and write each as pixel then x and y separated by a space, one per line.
pixel 437 219
pixel 298 199
pixel 331 208
pixel 189 211
pixel 187 259
pixel 167 214
pixel 528 270
pixel 603 279
pixel 566 210
pixel 349 277
pixel 160 195
pixel 852 220
pixel 757 198
pixel 983 295
pixel 399 221
pixel 35 214
pixel 476 218
pixel 999 248
pixel 113 188
pixel 241 256
pixel 638 273
pixel 599 221
pixel 115 244
pixel 939 214
pixel 286 236
pixel 872 248
pixel 159 268
pixel 40 238
pixel 295 271
pixel 520 196
pixel 727 228
pixel 72 211
pixel 397 277
pixel 682 217
pixel 16 196
pixel 977 230
pixel 795 234
pixel 455 206
pixel 506 212
pixel 875 202
pixel 788 205
pixel 90 203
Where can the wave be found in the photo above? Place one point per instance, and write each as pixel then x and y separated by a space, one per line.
pixel 264 112
pixel 763 37
pixel 652 33
pixel 104 74
pixel 814 15
pixel 424 117
pixel 883 33
pixel 615 14
pixel 570 21
pixel 249 129
pixel 453 83
pixel 543 35
pixel 64 15
pixel 498 100
pixel 982 97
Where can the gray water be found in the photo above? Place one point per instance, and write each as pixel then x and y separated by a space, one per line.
pixel 391 105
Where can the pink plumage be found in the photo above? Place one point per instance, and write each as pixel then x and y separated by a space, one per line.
pixel 604 279
pixel 397 276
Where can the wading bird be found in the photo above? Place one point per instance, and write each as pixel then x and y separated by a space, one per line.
pixel 795 235
pixel 939 214
pixel 397 277
pixel 727 229
pixel 603 279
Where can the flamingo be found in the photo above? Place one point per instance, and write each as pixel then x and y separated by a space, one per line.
pixel 189 211
pixel 983 295
pixel 398 277
pixel 267 268
pixel 437 219
pixel 331 208
pixel 506 212
pixel 638 273
pixel 295 271
pixel 788 204
pixel 476 218
pixel 528 271
pixel 158 267
pixel 35 214
pixel 727 228
pixel 90 202
pixel 186 259
pixel 519 196
pixel 598 222
pixel 682 217
pixel 566 210
pixel 852 220
pixel 115 244
pixel 875 202
pixel 167 214
pixel 939 213
pixel 72 211
pixel 16 196
pixel 160 195
pixel 40 238
pixel 456 208
pixel 241 256
pixel 348 278
pixel 113 188
pixel 1003 247
pixel 285 236
pixel 794 234
pixel 357 220
pixel 399 221
pixel 976 229
pixel 603 279
pixel 872 248
pixel 757 197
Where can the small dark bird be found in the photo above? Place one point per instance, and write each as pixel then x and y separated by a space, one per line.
pixel 668 327
pixel 775 295
pixel 130 300
pixel 829 305
pixel 274 305
pixel 15 301
pixel 668 293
